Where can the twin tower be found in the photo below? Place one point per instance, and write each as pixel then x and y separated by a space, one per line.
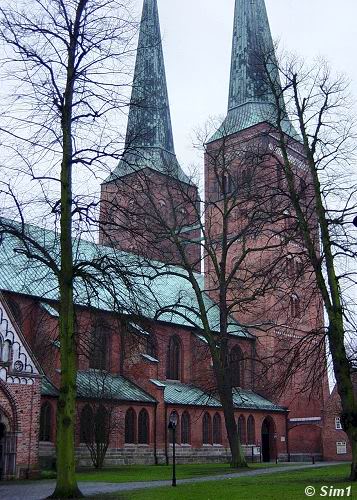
pixel 148 193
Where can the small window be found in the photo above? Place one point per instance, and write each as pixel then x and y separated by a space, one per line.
pixel 294 306
pixel 173 371
pixel 99 347
pixel 217 429
pixel 338 425
pixel 341 447
pixel 241 430
pixel 206 429
pixel 251 430
pixel 185 428
pixel 45 422
pixel 86 425
pixel 236 365
pixel 151 348
pixel 143 427
pixel 130 424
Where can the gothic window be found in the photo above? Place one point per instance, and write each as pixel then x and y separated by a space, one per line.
pixel 45 422
pixel 99 347
pixel 177 428
pixel 290 267
pixel 151 347
pixel 130 424
pixel 241 429
pixel 206 429
pixel 251 430
pixel 303 188
pixel 236 364
pixel 185 428
pixel 294 306
pixel 217 429
pixel 173 371
pixel 143 427
pixel 86 425
pixel 299 268
pixel 101 425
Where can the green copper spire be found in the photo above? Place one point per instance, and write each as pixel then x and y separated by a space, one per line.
pixel 250 99
pixel 149 139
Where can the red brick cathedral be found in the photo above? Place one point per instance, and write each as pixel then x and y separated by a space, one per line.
pixel 140 366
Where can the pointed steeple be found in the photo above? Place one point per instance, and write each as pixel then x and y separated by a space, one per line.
pixel 250 100
pixel 149 139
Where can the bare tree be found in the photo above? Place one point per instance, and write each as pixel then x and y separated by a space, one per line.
pixel 323 112
pixel 66 61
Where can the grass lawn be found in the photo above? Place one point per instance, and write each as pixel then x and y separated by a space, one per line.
pixel 289 485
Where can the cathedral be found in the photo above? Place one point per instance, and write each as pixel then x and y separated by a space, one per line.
pixel 143 366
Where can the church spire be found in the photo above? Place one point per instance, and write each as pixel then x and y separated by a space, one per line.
pixel 250 100
pixel 149 139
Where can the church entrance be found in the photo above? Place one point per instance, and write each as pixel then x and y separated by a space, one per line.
pixel 268 431
pixel 7 450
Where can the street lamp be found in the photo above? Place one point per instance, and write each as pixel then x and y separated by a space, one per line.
pixel 172 426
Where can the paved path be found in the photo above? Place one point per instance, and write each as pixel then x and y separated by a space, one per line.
pixel 38 490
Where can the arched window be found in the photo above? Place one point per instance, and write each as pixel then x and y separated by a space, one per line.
pixel 177 440
pixel 143 427
pixel 101 425
pixel 99 347
pixel 174 359
pixel 294 306
pixel 303 188
pixel 130 424
pixel 185 428
pixel 217 429
pixel 86 425
pixel 206 429
pixel 299 267
pixel 290 265
pixel 236 365
pixel 251 430
pixel 45 422
pixel 241 430
pixel 151 346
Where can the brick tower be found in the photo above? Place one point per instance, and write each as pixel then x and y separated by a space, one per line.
pixel 242 166
pixel 148 192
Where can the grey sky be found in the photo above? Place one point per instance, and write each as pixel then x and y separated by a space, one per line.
pixel 197 47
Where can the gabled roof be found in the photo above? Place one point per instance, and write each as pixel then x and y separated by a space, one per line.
pixel 251 100
pixel 149 138
pixel 177 393
pixel 145 292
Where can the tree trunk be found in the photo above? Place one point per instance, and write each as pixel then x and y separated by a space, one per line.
pixel 225 394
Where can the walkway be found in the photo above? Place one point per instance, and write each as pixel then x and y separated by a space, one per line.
pixel 38 490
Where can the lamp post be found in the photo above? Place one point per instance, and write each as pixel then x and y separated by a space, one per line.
pixel 172 426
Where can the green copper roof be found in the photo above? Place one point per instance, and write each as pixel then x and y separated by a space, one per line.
pixel 250 100
pixel 96 384
pixel 177 393
pixel 146 291
pixel 149 139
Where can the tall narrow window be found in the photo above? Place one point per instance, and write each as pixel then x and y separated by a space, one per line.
pixel 151 347
pixel 294 306
pixel 251 430
pixel 185 428
pixel 101 425
pixel 130 424
pixel 241 429
pixel 45 422
pixel 217 429
pixel 206 429
pixel 143 427
pixel 86 425
pixel 99 347
pixel 236 366
pixel 173 371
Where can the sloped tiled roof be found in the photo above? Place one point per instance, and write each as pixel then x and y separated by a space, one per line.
pixel 95 384
pixel 149 289
pixel 177 393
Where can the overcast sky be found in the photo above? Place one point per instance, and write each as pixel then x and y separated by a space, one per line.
pixel 197 38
